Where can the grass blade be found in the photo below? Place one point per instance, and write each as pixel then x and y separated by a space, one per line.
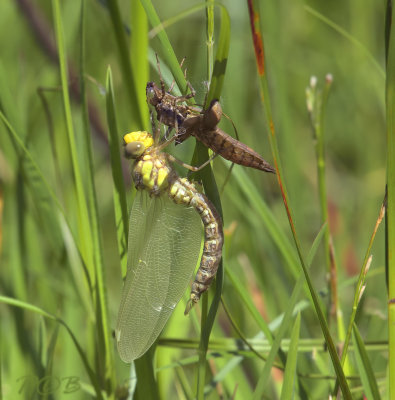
pixel 364 367
pixel 137 120
pixel 103 328
pixel 390 220
pixel 85 233
pixel 288 389
pixel 211 189
pixel 139 51
pixel 168 52
pixel 120 206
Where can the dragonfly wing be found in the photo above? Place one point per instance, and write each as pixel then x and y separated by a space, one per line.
pixel 163 250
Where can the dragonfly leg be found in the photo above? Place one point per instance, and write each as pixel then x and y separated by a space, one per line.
pixel 166 143
pixel 162 82
pixel 167 134
pixel 171 87
pixel 181 64
pixel 191 167
pixel 188 96
pixel 193 91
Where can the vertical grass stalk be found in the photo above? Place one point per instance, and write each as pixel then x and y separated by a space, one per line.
pixel 85 233
pixel 139 57
pixel 137 120
pixel 390 240
pixel 316 106
pixel 103 324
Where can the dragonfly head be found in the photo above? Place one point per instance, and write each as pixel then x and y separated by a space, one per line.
pixel 136 143
pixel 154 94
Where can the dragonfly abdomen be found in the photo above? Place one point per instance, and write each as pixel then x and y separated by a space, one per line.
pixel 233 150
pixel 182 191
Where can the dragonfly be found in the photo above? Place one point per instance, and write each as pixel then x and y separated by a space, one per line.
pixel 164 244
pixel 202 124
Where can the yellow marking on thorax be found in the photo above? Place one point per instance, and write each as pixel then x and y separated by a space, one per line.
pixel 146 169
pixel 162 176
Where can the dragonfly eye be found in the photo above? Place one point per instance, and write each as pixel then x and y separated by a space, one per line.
pixel 152 95
pixel 134 149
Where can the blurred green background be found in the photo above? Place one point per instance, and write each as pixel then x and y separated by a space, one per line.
pixel 39 258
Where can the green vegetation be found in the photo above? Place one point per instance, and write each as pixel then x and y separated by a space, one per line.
pixel 297 287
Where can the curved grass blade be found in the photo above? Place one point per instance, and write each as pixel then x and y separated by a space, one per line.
pixel 364 367
pixel 168 54
pixel 85 233
pixel 288 390
pixel 359 289
pixel 103 325
pixel 390 220
pixel 164 246
pixel 137 112
pixel 10 148
pixel 120 206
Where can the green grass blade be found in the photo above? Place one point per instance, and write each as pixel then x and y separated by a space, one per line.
pixel 85 233
pixel 288 388
pixel 137 113
pixel 364 367
pixel 138 58
pixel 147 386
pixel 168 52
pixel 120 206
pixel 32 162
pixel 103 327
pixel 210 36
pixel 265 375
pixel 221 58
pixel 390 220
pixel 211 189
pixel 316 106
pixel 15 156
pixel 245 297
pixel 267 217
pixel 360 286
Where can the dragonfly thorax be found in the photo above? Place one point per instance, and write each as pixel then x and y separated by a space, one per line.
pixel 151 172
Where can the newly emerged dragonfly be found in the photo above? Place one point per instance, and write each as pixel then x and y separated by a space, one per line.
pixel 203 125
pixel 164 245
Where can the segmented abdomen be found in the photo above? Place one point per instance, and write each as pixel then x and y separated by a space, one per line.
pixel 184 192
pixel 231 149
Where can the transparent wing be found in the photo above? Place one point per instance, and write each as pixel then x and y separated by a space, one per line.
pixel 163 249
